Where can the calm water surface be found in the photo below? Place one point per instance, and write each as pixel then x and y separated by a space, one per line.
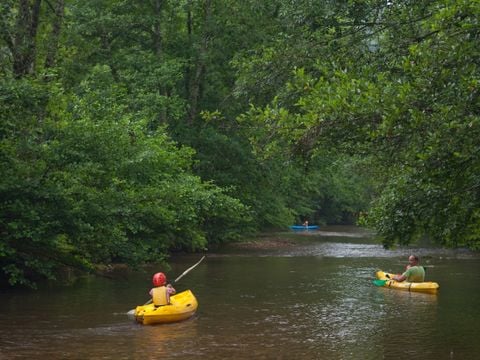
pixel 311 301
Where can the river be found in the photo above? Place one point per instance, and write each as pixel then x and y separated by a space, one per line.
pixel 310 297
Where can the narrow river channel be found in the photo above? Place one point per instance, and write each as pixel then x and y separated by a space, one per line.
pixel 308 296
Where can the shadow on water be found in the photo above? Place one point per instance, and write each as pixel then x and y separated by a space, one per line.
pixel 307 299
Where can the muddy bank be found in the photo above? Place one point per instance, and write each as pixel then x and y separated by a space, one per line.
pixel 290 239
pixel 264 243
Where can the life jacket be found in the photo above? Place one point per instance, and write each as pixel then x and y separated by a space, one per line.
pixel 159 296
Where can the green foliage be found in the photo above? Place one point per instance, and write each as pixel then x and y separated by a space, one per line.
pixel 435 125
pixel 418 119
pixel 227 161
pixel 314 184
pixel 87 185
pixel 395 82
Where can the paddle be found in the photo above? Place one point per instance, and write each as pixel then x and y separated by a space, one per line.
pixel 188 270
pixel 132 312
pixel 377 282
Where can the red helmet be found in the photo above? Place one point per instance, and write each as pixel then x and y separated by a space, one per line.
pixel 159 279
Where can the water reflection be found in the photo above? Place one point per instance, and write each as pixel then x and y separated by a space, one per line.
pixel 161 341
pixel 405 323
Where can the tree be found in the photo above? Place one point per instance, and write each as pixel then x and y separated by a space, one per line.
pixel 21 31
pixel 85 185
pixel 417 117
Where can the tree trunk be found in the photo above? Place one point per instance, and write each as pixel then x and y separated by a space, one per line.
pixel 196 80
pixel 24 39
pixel 51 57
pixel 190 47
pixel 158 46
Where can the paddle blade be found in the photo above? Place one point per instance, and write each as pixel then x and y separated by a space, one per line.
pixel 379 282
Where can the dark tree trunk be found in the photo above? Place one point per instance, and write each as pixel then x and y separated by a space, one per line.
pixel 52 48
pixel 190 48
pixel 24 39
pixel 197 77
pixel 158 45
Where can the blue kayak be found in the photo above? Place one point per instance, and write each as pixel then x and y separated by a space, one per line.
pixel 303 227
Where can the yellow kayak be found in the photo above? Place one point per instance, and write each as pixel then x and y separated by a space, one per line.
pixel 182 306
pixel 426 287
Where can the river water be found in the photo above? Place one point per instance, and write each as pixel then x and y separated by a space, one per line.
pixel 312 300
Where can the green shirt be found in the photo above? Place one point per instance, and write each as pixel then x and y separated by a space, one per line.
pixel 415 274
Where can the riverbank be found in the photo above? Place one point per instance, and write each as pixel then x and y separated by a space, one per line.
pixel 280 240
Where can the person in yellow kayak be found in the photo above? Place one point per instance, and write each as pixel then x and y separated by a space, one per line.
pixel 413 273
pixel 161 292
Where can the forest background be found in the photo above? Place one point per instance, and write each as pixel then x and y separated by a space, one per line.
pixel 131 129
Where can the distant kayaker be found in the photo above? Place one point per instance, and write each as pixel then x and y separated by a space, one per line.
pixel 161 292
pixel 413 273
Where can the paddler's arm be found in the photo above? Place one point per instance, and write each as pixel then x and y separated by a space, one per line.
pixel 171 290
pixel 399 278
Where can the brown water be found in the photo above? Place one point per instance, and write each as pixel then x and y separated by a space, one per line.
pixel 313 301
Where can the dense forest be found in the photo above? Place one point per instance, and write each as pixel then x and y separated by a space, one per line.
pixel 131 129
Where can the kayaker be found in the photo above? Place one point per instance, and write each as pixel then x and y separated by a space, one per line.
pixel 161 292
pixel 413 273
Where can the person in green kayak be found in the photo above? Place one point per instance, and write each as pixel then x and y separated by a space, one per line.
pixel 413 273
pixel 161 292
